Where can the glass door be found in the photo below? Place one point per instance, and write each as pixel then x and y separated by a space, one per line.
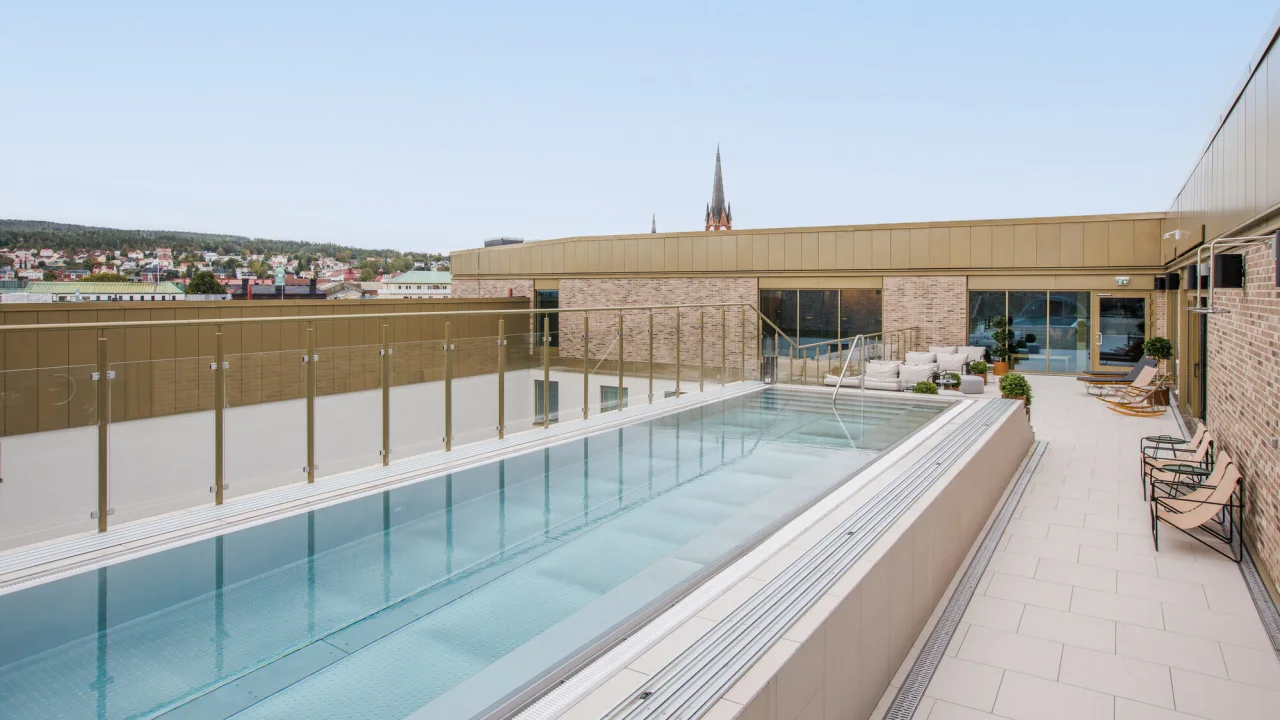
pixel 1120 329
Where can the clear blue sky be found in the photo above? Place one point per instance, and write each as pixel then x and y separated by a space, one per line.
pixel 434 125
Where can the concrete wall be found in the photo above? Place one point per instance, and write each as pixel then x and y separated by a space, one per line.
pixel 836 661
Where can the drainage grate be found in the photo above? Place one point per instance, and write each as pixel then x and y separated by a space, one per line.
pixel 913 687
pixel 1261 600
pixel 688 686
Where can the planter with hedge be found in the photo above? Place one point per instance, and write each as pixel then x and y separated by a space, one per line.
pixel 1159 349
pixel 924 387
pixel 1014 386
pixel 979 368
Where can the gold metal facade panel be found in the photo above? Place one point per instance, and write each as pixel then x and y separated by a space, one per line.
pixel 980 246
pixel 1049 245
pixel 1002 246
pixel 1120 243
pixel 1024 245
pixel 1095 245
pixel 919 248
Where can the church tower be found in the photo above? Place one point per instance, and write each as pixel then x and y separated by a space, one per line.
pixel 719 213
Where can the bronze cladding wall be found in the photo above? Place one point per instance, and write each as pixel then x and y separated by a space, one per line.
pixel 45 375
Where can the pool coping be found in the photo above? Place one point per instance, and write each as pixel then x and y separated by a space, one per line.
pixel 51 560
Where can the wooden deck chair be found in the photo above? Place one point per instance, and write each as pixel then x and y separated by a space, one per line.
pixel 1213 508
pixel 1144 404
pixel 1140 381
pixel 1116 376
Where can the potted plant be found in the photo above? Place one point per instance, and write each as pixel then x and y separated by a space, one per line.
pixel 1014 386
pixel 1000 353
pixel 1160 349
pixel 924 387
pixel 979 368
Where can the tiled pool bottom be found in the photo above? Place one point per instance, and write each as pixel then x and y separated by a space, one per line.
pixel 453 592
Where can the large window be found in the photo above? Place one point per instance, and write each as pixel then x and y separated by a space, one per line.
pixel 811 316
pixel 549 299
pixel 1049 330
pixel 609 397
pixel 553 397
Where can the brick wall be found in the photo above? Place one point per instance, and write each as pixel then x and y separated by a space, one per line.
pixel 934 303
pixel 613 292
pixel 492 288
pixel 1244 395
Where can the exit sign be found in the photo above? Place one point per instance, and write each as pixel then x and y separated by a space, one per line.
pixel 1122 281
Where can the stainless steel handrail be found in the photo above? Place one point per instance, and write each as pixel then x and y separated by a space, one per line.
pixel 859 340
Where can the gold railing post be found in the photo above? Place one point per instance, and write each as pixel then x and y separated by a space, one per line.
pixel 310 360
pixel 650 357
pixel 546 371
pixel 448 386
pixel 219 403
pixel 502 376
pixel 620 340
pixel 104 417
pixel 386 393
pixel 742 332
pixel 724 365
pixel 791 364
pixel 586 362
pixel 702 349
pixel 677 352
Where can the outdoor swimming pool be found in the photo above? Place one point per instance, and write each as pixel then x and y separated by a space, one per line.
pixel 454 592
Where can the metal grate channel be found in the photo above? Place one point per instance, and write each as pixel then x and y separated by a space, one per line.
pixel 338 488
pixel 917 680
pixel 1261 600
pixel 688 686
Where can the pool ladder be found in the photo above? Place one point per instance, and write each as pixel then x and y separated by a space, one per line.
pixel 859 341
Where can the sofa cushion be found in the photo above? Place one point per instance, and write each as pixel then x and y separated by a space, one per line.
pixel 873 384
pixel 916 358
pixel 882 371
pixel 912 374
pixel 940 349
pixel 952 362
pixel 975 352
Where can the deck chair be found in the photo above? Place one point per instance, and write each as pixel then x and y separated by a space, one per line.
pixel 1139 382
pixel 1126 375
pixel 1121 377
pixel 1153 468
pixel 1213 508
pixel 1143 403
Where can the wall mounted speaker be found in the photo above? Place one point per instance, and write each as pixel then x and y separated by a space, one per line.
pixel 1173 280
pixel 1161 284
pixel 1228 272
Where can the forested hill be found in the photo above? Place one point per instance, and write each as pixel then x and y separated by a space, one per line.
pixel 60 236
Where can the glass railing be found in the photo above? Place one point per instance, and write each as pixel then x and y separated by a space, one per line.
pixel 158 435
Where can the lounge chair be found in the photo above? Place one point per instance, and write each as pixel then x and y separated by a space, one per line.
pixel 1213 507
pixel 1154 468
pixel 1131 389
pixel 1153 445
pixel 1147 402
pixel 1119 377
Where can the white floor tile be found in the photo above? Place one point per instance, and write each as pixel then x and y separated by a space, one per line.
pixel 1127 709
pixel 961 682
pixel 1023 697
pixel 946 711
pixel 1020 545
pixel 1009 651
pixel 1029 591
pixel 994 613
pixel 1122 608
pixel 1218 699
pixel 1169 648
pixel 1068 628
pixel 1083 536
pixel 1053 517
pixel 1076 575
pixel 1163 589
pixel 1115 675
pixel 1129 562
pixel 1255 667
pixel 1022 565
pixel 1216 626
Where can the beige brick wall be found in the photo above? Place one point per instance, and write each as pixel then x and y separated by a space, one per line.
pixel 1160 314
pixel 1244 395
pixel 614 292
pixel 492 288
pixel 936 304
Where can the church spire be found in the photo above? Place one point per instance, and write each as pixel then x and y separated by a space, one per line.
pixel 718 215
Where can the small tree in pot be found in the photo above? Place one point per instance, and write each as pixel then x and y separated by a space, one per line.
pixel 1160 349
pixel 1014 386
pixel 1001 336
pixel 924 387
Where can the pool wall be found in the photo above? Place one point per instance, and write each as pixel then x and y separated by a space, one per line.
pixel 838 659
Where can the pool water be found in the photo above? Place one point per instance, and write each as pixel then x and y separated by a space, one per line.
pixel 448 595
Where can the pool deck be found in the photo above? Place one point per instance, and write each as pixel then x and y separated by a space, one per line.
pixel 1077 616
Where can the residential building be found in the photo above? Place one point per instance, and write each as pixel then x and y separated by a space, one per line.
pixel 106 291
pixel 417 284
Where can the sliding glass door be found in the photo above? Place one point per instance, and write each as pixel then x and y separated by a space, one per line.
pixel 1049 330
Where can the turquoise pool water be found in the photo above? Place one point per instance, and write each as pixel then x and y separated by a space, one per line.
pixel 448 595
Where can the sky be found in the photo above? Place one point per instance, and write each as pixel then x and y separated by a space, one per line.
pixel 434 125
